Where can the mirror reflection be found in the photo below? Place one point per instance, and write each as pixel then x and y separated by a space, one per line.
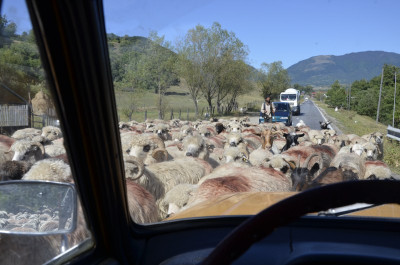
pixel 28 207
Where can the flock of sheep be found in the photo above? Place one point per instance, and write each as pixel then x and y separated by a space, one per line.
pixel 173 165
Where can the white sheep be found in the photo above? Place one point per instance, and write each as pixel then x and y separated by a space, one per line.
pixel 159 178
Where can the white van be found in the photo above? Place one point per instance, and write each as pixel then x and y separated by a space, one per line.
pixel 292 96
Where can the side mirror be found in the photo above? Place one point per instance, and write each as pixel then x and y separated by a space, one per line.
pixel 37 208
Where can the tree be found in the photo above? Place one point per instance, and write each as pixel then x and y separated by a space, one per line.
pixel 274 79
pixel 157 68
pixel 336 95
pixel 210 54
pixel 306 89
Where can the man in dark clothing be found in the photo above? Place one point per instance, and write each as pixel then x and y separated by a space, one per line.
pixel 267 109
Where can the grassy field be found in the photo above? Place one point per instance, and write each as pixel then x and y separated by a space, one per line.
pixel 177 99
pixel 351 122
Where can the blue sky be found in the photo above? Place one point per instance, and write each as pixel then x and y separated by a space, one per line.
pixel 273 30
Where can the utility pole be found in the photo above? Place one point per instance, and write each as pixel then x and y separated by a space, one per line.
pixel 350 97
pixel 379 102
pixel 394 103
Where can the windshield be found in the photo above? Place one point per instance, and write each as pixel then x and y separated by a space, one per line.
pixel 191 81
pixel 282 107
pixel 288 97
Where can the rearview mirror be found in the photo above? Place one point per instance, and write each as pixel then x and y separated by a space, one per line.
pixel 37 207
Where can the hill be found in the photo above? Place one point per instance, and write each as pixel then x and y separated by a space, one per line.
pixel 323 70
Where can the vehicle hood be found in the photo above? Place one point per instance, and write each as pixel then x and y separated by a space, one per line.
pixel 251 203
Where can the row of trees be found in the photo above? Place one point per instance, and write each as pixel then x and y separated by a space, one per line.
pixel 363 96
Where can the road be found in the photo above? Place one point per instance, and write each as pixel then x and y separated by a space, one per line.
pixel 309 114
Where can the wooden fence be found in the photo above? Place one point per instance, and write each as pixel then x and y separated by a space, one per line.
pixel 20 116
pixel 14 116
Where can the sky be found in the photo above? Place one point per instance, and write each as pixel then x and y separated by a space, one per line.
pixel 273 30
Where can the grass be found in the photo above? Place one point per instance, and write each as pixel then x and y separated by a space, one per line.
pixel 176 99
pixel 351 122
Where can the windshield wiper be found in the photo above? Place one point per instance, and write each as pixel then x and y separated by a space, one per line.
pixel 347 209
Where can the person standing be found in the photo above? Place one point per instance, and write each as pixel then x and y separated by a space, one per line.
pixel 267 109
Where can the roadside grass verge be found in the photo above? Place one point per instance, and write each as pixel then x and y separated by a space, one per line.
pixel 177 99
pixel 351 122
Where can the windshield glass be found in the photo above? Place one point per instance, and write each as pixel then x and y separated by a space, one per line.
pixel 282 107
pixel 191 79
pixel 288 97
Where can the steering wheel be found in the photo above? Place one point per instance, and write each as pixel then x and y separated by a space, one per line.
pixel 284 212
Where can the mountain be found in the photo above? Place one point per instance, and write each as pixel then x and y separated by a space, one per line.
pixel 323 70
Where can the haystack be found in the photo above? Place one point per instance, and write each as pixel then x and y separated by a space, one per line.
pixel 41 103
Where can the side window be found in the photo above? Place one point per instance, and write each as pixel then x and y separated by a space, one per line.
pixel 31 143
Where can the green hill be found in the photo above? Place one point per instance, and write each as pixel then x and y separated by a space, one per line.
pixel 323 70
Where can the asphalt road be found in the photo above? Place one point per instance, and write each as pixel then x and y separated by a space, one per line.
pixel 310 114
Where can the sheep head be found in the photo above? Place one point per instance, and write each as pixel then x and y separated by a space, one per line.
pixel 51 133
pixel 146 148
pixel 196 146
pixel 301 176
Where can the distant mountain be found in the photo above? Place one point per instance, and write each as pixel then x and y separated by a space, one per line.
pixel 323 70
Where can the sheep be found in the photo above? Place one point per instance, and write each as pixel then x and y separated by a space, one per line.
pixel 53 150
pixel 236 153
pixel 291 140
pixel 49 169
pixel 300 124
pixel 259 156
pixel 253 141
pixel 177 198
pixel 376 170
pixel 159 178
pixel 27 133
pixel 147 148
pixel 302 175
pixel 324 125
pixel 326 152
pixel 6 142
pixel 316 137
pixel 339 140
pixel 331 175
pixel 196 146
pixel 243 179
pixel 5 154
pixel 219 127
pixel 377 139
pixel 13 170
pixel 27 150
pixel 162 131
pixel 234 127
pixel 51 133
pixel 371 151
pixel 141 203
pixel 350 162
